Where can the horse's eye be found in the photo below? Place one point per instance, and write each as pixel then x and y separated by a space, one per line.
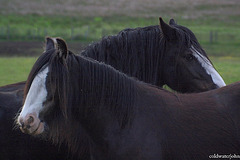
pixel 189 57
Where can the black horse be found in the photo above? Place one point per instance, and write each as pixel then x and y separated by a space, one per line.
pixel 79 101
pixel 169 54
pixel 17 87
pixel 158 55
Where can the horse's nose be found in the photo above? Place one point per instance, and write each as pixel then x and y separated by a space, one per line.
pixel 27 122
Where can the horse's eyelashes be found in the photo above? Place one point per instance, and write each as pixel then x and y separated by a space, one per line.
pixel 189 57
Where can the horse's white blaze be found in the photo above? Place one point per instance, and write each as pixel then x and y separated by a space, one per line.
pixel 217 79
pixel 36 95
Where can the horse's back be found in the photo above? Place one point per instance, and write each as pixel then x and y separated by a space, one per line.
pixel 12 87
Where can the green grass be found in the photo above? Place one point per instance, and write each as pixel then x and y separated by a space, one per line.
pixel 228 67
pixel 16 69
pixel 29 27
pixel 226 36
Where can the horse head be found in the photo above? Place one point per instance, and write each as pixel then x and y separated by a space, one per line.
pixel 35 93
pixel 186 65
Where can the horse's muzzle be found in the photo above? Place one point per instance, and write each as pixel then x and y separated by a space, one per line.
pixel 30 124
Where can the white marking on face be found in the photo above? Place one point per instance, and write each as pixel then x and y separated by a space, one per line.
pixel 206 64
pixel 37 94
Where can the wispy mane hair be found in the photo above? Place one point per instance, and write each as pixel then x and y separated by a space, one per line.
pixel 139 50
pixel 81 85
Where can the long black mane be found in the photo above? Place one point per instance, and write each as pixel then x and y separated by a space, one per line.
pixel 136 52
pixel 141 52
pixel 72 80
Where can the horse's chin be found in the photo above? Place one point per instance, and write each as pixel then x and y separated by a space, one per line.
pixel 39 130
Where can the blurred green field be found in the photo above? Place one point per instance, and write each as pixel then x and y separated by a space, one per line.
pixel 16 69
pixel 228 67
pixel 218 38
pixel 221 40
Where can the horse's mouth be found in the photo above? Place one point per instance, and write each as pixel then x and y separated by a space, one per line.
pixel 39 129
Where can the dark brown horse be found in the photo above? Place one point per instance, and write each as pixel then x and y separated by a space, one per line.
pixel 79 101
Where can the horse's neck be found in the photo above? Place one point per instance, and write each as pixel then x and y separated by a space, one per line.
pixel 138 55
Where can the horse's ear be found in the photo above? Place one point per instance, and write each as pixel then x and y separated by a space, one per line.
pixel 50 44
pixel 62 48
pixel 172 22
pixel 168 32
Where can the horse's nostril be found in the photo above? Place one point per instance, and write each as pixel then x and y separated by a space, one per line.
pixel 28 126
pixel 30 120
pixel 22 125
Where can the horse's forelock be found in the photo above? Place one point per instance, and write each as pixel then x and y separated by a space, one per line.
pixel 59 82
pixel 187 39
